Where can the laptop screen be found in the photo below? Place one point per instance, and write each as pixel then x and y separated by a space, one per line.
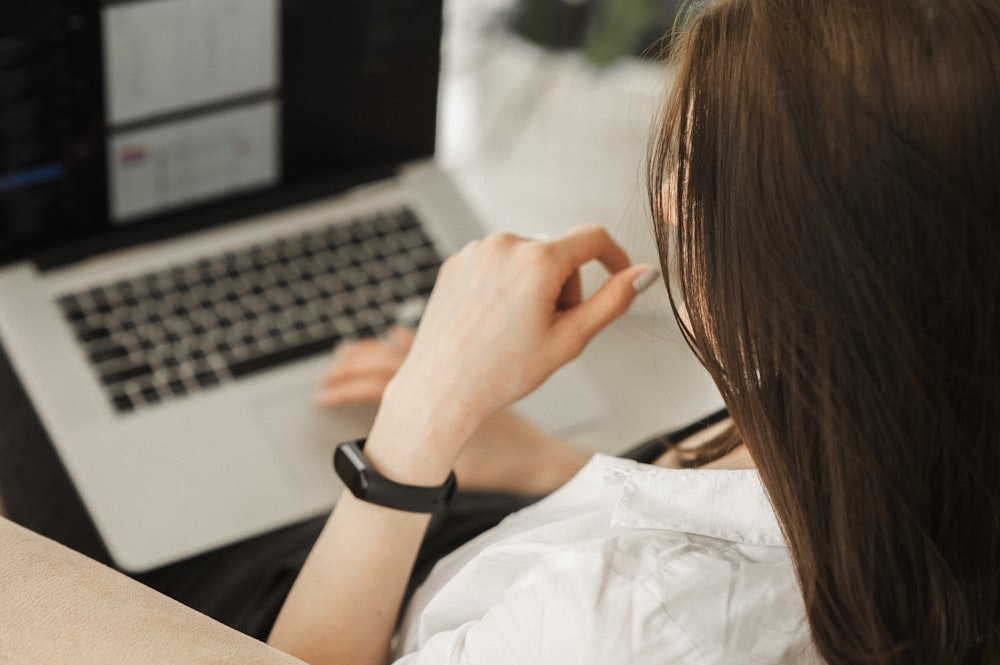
pixel 127 120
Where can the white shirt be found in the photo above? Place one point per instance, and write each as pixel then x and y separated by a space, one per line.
pixel 627 563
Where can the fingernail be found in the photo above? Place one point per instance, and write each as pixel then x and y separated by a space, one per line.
pixel 645 279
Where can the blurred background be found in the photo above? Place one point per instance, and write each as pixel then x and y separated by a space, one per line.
pixel 546 109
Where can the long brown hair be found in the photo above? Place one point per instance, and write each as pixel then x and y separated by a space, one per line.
pixel 834 209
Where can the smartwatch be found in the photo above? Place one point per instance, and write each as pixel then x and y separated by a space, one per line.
pixel 369 485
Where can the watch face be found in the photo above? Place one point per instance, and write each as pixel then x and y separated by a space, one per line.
pixel 350 466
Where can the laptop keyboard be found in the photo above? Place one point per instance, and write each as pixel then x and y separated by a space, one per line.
pixel 165 334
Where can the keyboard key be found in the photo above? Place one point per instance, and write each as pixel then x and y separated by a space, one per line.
pixel 127 374
pixel 282 356
pixel 122 402
pixel 207 378
pixel 151 395
pixel 108 353
pixel 93 334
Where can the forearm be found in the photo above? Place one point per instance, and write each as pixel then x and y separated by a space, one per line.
pixel 343 606
pixel 345 601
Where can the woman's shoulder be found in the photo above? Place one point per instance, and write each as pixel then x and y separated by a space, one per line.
pixel 681 567
pixel 622 598
pixel 696 556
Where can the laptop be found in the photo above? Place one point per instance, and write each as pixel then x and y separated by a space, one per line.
pixel 198 200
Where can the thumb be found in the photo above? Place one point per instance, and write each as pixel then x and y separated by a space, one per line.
pixel 579 325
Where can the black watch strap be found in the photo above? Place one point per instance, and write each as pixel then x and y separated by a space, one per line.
pixel 367 484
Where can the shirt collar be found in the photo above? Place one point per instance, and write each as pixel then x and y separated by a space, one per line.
pixel 725 504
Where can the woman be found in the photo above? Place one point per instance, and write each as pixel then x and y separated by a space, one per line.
pixel 838 265
pixel 831 225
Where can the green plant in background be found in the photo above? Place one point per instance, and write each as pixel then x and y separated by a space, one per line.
pixel 625 27
pixel 604 30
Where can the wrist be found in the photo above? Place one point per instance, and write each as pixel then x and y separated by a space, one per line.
pixel 438 401
pixel 413 443
pixel 365 482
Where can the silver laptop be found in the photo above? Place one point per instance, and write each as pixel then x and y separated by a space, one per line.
pixel 198 200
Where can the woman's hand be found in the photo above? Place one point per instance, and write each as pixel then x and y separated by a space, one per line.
pixel 504 315
pixel 364 368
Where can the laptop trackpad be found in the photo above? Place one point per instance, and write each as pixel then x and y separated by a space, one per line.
pixel 304 435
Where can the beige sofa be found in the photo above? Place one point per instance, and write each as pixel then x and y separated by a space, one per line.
pixel 57 606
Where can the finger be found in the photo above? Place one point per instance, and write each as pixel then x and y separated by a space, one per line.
pixel 374 366
pixel 362 391
pixel 401 336
pixel 398 336
pixel 351 348
pixel 589 242
pixel 381 362
pixel 362 352
pixel 359 346
pixel 579 325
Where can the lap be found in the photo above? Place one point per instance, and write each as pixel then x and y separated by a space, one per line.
pixel 242 585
